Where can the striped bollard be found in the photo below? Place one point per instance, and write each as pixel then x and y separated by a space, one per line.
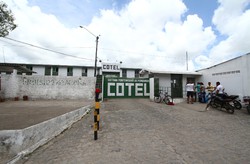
pixel 96 113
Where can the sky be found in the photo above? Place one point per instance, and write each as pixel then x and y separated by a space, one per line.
pixel 164 35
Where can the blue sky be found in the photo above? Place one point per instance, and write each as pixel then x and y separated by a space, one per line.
pixel 152 34
pixel 77 12
pixel 204 8
pixel 84 10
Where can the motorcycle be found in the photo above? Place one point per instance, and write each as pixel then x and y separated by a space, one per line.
pixel 236 102
pixel 225 101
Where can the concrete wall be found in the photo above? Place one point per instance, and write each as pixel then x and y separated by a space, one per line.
pixel 47 87
pixel 17 143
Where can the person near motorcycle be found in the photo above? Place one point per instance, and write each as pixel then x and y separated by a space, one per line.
pixel 219 89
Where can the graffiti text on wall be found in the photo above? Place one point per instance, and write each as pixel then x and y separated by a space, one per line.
pixel 61 82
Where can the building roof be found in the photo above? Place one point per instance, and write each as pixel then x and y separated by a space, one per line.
pixel 171 72
pixel 223 62
pixel 8 68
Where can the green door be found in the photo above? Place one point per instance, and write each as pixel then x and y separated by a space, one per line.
pixel 176 86
pixel 156 87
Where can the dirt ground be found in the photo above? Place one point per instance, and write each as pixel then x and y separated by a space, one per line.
pixel 22 114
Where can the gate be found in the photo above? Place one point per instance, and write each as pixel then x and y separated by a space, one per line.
pixel 115 87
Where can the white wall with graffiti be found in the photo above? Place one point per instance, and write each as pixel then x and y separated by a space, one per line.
pixel 47 87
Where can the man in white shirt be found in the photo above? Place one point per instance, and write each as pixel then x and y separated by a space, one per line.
pixel 219 89
pixel 190 92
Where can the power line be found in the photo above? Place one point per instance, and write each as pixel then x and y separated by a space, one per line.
pixel 137 53
pixel 46 49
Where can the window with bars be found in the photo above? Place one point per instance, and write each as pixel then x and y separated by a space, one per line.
pixel 30 68
pixel 47 71
pixel 137 73
pixel 70 71
pixel 124 73
pixel 84 71
pixel 55 71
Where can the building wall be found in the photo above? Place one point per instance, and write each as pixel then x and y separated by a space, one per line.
pixel 91 72
pixel 234 75
pixel 47 87
pixel 39 70
pixel 164 82
pixel 77 71
pixel 130 73
pixel 62 71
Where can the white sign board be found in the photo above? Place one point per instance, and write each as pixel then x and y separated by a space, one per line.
pixel 111 67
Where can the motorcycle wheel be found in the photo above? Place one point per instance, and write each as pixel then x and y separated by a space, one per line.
pixel 237 104
pixel 248 108
pixel 213 104
pixel 229 108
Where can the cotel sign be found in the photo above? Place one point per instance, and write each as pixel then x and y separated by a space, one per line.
pixel 126 88
pixel 110 67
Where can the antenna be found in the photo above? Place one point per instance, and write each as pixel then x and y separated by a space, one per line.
pixel 187 60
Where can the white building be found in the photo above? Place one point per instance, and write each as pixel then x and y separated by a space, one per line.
pixel 233 74
pixel 173 82
pixel 64 70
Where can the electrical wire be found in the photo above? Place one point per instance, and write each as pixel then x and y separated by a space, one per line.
pixel 46 49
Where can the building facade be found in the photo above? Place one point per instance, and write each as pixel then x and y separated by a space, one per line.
pixel 173 82
pixel 233 74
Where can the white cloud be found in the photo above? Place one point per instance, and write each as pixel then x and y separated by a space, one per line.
pixel 232 20
pixel 145 33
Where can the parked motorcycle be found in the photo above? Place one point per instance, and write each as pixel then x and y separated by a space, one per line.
pixel 236 102
pixel 222 102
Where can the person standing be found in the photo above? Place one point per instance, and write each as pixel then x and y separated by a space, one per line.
pixel 210 87
pixel 200 91
pixel 219 89
pixel 190 92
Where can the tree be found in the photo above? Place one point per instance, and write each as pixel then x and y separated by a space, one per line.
pixel 6 20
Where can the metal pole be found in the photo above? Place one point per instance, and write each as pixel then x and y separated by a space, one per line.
pixel 96 47
pixel 187 60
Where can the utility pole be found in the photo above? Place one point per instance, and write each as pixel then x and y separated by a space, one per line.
pixel 96 47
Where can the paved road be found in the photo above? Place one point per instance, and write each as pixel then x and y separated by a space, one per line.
pixel 140 131
pixel 28 113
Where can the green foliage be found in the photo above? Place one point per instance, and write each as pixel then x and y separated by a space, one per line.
pixel 6 20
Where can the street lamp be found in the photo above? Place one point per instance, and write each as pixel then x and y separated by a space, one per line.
pixel 96 47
